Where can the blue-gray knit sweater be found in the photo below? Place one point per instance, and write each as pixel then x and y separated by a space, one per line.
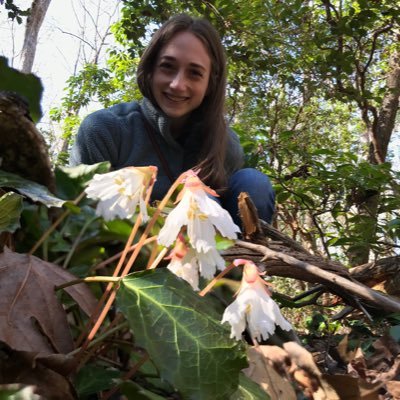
pixel 118 134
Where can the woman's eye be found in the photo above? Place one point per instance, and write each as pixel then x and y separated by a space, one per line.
pixel 197 73
pixel 166 66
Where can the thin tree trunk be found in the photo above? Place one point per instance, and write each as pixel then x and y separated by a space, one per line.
pixel 33 24
pixel 380 132
pixel 387 114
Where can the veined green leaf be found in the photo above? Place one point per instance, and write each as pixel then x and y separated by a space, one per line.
pixel 249 390
pixel 92 379
pixel 72 180
pixel 10 212
pixel 182 334
pixel 33 190
pixel 27 85
pixel 132 390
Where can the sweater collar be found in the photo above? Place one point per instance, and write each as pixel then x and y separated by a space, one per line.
pixel 158 120
pixel 161 124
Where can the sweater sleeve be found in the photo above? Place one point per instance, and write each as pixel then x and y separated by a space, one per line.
pixel 97 139
pixel 234 153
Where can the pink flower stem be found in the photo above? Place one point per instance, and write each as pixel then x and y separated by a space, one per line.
pixel 215 280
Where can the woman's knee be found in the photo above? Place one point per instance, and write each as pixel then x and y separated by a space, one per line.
pixel 259 188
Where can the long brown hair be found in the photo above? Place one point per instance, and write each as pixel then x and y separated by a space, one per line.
pixel 211 111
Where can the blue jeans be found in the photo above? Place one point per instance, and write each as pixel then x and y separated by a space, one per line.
pixel 257 185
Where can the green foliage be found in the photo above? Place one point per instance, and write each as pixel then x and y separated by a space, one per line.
pixel 320 325
pixel 14 12
pixel 248 390
pixel 33 190
pixel 182 334
pixel 92 379
pixel 305 80
pixel 26 85
pixel 305 83
pixel 10 212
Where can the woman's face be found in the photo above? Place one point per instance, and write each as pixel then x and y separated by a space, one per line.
pixel 181 75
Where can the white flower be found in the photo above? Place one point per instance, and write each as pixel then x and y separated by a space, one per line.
pixel 254 307
pixel 202 216
pixel 119 192
pixel 187 270
pixel 209 261
pixel 188 263
pixel 184 263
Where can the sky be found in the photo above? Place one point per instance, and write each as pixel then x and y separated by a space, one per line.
pixel 69 33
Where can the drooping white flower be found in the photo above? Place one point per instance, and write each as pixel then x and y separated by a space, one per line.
pixel 187 270
pixel 253 307
pixel 184 264
pixel 119 192
pixel 187 263
pixel 201 215
pixel 209 262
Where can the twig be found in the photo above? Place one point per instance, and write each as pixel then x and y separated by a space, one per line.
pixel 216 279
pixel 54 225
pixel 127 376
pixel 110 279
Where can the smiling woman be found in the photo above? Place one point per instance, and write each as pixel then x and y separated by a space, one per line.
pixel 179 124
pixel 180 78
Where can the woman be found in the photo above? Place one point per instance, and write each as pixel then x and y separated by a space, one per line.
pixel 180 122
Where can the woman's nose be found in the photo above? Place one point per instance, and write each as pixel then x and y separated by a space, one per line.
pixel 178 82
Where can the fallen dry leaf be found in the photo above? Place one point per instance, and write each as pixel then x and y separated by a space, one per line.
pixel 345 354
pixel 31 317
pixel 346 386
pixel 302 358
pixel 262 372
pixel 393 387
pixel 16 367
pixel 278 357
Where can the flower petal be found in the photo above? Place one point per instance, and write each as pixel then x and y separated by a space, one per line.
pixel 119 192
pixel 185 270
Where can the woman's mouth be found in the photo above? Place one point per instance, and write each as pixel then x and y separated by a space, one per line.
pixel 175 99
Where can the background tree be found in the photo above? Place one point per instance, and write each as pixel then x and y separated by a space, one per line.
pixel 37 13
pixel 313 92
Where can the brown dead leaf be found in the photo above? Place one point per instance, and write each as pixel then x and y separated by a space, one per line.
pixel 357 366
pixel 346 386
pixel 31 317
pixel 302 358
pixel 345 354
pixel 386 350
pixel 16 367
pixel 277 357
pixel 393 387
pixel 261 372
pixel 389 375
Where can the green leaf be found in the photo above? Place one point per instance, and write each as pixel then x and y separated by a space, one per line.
pixel 10 212
pixel 17 391
pixel 131 390
pixel 394 332
pixel 33 190
pixel 72 180
pixel 26 85
pixel 249 390
pixel 182 333
pixel 281 197
pixel 92 379
pixel 223 243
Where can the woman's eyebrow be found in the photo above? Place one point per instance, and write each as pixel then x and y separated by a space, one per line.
pixel 192 64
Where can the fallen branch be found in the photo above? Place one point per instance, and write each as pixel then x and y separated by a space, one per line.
pixel 313 274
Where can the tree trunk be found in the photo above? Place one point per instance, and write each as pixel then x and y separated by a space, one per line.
pixel 385 123
pixel 33 24
pixel 380 132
